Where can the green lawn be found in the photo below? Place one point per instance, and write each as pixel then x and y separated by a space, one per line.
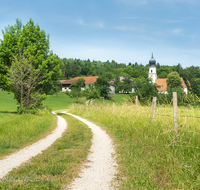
pixel 59 102
pixel 17 131
pixel 7 102
pixel 121 98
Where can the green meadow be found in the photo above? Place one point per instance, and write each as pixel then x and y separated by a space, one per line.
pixel 17 131
pixel 150 155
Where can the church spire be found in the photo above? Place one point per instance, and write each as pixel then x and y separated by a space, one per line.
pixel 152 61
pixel 152 68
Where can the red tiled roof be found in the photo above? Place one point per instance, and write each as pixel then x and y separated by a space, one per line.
pixel 163 84
pixel 88 80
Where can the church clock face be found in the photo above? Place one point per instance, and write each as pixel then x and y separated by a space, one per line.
pixel 151 75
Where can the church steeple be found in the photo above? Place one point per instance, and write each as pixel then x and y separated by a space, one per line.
pixel 152 69
pixel 152 61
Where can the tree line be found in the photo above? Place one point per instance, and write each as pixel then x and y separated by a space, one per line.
pixel 112 70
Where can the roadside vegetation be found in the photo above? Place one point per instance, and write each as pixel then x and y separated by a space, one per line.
pixel 57 165
pixel 17 131
pixel 150 156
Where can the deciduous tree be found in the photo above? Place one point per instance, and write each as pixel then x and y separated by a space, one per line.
pixel 34 45
pixel 25 82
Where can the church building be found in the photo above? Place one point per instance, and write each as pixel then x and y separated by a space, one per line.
pixel 161 82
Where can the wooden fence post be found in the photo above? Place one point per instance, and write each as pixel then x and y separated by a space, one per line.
pixel 136 103
pixel 96 106
pixel 107 107
pixel 153 109
pixel 86 106
pixel 113 108
pixel 101 107
pixel 175 110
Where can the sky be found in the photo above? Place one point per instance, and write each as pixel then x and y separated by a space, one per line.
pixel 120 30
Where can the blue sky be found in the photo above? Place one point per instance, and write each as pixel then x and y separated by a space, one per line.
pixel 121 30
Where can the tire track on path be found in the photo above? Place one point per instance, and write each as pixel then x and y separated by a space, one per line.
pixel 100 169
pixel 16 159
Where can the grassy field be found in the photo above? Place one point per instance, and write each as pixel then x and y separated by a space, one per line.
pixel 17 131
pixel 151 156
pixel 57 165
pixel 62 101
pixel 7 102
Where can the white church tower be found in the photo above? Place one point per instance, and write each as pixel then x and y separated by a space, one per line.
pixel 152 69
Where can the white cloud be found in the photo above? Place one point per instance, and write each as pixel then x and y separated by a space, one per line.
pixel 176 31
pixel 96 24
pixel 99 24
pixel 125 28
pixel 80 22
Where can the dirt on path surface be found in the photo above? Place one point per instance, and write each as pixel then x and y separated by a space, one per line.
pixel 16 159
pixel 100 168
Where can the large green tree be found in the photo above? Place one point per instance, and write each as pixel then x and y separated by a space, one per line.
pixel 144 89
pixel 173 80
pixel 125 85
pixel 103 86
pixel 34 45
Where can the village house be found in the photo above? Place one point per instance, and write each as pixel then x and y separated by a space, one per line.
pixel 88 81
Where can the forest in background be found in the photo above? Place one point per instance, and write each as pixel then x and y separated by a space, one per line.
pixel 76 67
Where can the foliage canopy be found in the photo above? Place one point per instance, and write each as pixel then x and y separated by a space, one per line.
pixel 33 45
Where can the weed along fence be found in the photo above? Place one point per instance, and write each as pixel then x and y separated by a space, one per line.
pixel 158 145
pixel 110 108
pixel 106 108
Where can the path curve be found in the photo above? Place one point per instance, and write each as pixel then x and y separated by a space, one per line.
pixel 23 155
pixel 100 168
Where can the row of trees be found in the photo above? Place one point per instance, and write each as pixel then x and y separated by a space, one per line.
pixel 27 66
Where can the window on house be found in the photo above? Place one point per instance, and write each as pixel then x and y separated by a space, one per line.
pixel 151 71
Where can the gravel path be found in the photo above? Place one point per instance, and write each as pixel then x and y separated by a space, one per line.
pixel 23 155
pixel 100 168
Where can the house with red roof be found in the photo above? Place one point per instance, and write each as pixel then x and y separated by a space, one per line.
pixel 88 81
pixel 162 85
